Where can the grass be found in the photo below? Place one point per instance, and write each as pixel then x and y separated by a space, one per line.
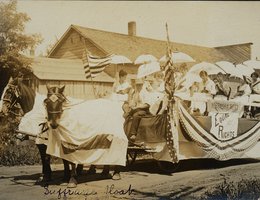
pixel 12 153
pixel 242 189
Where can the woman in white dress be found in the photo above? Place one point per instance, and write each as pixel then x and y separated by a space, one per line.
pixel 204 87
pixel 121 87
pixel 255 86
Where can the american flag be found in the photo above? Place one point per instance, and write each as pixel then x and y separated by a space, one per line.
pixel 94 65
pixel 171 132
pixel 169 74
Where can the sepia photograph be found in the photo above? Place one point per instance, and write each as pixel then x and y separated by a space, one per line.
pixel 129 100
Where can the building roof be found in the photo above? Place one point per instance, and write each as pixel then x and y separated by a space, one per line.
pixel 134 46
pixel 63 69
pixel 238 52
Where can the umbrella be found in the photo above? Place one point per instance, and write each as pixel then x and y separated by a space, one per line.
pixel 119 59
pixel 146 58
pixel 190 79
pixel 147 69
pixel 244 70
pixel 229 68
pixel 205 66
pixel 252 63
pixel 178 57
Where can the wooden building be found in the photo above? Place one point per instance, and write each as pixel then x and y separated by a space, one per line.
pixel 71 74
pixel 67 54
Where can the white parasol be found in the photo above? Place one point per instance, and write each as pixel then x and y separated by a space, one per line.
pixel 147 69
pixel 190 79
pixel 119 59
pixel 205 66
pixel 229 68
pixel 252 63
pixel 146 58
pixel 177 57
pixel 245 70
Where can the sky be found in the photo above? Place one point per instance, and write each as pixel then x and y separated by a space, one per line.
pixel 215 23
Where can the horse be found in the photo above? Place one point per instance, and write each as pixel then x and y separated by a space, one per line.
pixel 54 107
pixel 16 96
pixel 55 104
pixel 19 99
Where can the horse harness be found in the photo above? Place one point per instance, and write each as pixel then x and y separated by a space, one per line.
pixel 53 97
pixel 16 95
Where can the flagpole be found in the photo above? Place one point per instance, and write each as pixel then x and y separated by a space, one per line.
pixel 168 38
pixel 93 87
pixel 172 131
pixel 169 65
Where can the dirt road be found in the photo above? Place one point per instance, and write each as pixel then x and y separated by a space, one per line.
pixel 194 179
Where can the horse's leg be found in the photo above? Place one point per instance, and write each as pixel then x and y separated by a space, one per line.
pixel 66 176
pixel 79 169
pixel 116 174
pixel 105 171
pixel 45 158
pixel 91 170
pixel 48 171
pixel 73 179
pixel 43 161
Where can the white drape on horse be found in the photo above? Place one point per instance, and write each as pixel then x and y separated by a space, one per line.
pixel 31 120
pixel 89 133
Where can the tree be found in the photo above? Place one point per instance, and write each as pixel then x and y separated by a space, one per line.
pixel 14 42
pixel 50 46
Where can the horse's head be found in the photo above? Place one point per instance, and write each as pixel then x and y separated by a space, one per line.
pixel 53 103
pixel 11 99
pixel 18 98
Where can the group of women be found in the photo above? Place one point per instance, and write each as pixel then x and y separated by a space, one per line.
pixel 141 98
pixel 220 88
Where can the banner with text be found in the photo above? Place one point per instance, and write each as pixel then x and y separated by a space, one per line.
pixel 219 106
pixel 224 125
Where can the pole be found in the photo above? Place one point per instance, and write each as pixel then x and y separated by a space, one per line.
pixel 93 86
pixel 169 51
pixel 30 134
pixel 172 131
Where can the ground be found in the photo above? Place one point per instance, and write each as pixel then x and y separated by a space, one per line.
pixel 192 180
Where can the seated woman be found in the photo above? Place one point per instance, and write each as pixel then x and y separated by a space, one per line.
pixel 148 101
pixel 205 86
pixel 221 90
pixel 158 82
pixel 134 108
pixel 255 86
pixel 244 90
pixel 121 87
pixel 152 93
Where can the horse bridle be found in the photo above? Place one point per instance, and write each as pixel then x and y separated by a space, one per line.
pixel 15 93
pixel 54 96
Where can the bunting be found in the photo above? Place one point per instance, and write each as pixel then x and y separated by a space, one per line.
pixel 219 148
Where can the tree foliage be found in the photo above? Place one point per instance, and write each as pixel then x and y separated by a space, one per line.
pixel 14 42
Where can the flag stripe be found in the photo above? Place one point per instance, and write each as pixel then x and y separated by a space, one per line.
pixel 97 67
pixel 96 71
pixel 94 65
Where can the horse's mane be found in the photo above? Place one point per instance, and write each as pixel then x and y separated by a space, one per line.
pixel 27 96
